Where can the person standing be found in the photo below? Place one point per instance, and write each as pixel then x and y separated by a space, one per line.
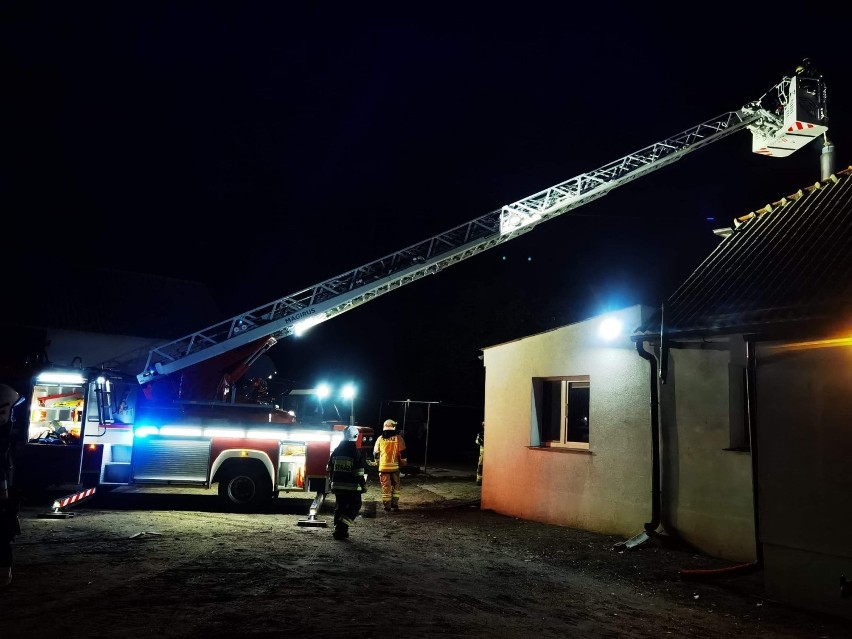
pixel 347 472
pixel 10 525
pixel 390 454
pixel 480 441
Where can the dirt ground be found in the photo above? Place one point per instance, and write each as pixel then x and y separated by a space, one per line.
pixel 170 563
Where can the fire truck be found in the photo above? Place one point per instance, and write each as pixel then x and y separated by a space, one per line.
pixel 98 427
pixel 182 419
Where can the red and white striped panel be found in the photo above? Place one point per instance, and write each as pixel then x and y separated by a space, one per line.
pixel 70 500
pixel 799 126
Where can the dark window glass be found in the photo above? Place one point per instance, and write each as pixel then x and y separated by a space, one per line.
pixel 552 405
pixel 578 412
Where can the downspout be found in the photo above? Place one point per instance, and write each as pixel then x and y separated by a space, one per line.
pixel 751 399
pixel 656 499
pixel 656 493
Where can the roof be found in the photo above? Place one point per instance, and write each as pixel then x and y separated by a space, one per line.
pixel 783 267
pixel 111 301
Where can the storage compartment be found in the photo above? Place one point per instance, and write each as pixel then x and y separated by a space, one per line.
pixel 171 460
pixel 56 415
pixel 291 467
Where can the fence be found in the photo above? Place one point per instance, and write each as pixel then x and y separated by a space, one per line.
pixel 434 431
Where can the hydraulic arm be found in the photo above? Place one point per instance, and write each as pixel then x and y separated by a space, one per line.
pixel 784 119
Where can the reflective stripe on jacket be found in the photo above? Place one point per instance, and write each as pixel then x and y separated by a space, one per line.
pixel 347 469
pixel 389 451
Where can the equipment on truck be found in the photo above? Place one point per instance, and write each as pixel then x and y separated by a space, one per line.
pixel 181 420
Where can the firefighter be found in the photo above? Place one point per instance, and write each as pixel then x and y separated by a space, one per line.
pixel 806 68
pixel 347 472
pixel 9 502
pixel 480 441
pixel 389 452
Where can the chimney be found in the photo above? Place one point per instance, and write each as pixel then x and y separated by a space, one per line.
pixel 826 159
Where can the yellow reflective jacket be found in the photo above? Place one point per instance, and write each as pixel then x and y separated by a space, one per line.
pixel 389 451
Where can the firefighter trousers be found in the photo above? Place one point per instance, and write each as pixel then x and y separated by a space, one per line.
pixel 390 483
pixel 10 527
pixel 347 509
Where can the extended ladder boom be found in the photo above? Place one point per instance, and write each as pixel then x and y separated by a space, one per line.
pixel 773 134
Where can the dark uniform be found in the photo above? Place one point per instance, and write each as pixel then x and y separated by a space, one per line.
pixel 480 441
pixel 9 502
pixel 347 471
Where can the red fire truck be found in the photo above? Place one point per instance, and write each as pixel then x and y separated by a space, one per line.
pixel 101 428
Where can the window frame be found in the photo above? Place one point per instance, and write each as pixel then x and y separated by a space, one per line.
pixel 738 430
pixel 546 411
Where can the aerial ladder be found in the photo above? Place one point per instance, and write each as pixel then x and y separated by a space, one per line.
pixel 786 118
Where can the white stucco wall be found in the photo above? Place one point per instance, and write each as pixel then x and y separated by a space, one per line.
pixel 96 348
pixel 605 489
pixel 707 490
pixel 804 425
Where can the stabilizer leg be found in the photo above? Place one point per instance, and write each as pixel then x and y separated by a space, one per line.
pixel 312 520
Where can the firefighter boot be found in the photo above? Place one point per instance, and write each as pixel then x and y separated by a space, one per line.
pixel 341 531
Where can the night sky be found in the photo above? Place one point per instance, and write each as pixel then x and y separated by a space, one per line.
pixel 264 147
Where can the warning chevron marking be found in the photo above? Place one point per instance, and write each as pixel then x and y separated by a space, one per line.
pixel 70 500
pixel 798 126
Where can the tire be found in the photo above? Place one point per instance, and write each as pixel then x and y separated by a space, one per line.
pixel 245 487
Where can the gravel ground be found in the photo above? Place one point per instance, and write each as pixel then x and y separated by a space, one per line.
pixel 170 563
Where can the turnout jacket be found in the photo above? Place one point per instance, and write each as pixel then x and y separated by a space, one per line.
pixel 347 469
pixel 389 451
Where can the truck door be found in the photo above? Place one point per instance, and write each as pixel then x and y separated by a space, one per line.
pixel 53 451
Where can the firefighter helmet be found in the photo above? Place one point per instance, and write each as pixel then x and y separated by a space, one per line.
pixel 389 424
pixel 9 398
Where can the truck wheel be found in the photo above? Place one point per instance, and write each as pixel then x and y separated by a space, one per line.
pixel 245 488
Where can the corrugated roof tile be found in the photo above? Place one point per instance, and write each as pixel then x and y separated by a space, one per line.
pixel 788 263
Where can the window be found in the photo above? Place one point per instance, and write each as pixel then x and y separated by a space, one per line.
pixel 738 407
pixel 563 411
pixel 111 401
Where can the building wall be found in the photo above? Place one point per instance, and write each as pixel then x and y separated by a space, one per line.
pixel 804 429
pixel 606 489
pixel 707 488
pixel 95 349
